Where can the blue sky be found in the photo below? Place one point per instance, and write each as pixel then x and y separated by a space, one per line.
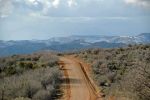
pixel 43 19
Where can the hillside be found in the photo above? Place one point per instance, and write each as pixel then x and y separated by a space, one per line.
pixel 30 77
pixel 120 74
pixel 123 73
pixel 70 43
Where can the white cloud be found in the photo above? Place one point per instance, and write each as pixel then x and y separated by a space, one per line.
pixel 46 7
pixel 130 1
pixel 29 2
pixel 72 3
pixel 84 8
pixel 6 8
pixel 55 3
pixel 143 3
pixel 32 1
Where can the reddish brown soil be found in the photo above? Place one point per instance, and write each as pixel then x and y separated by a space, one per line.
pixel 77 83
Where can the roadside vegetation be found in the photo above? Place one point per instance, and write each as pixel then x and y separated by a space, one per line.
pixel 30 77
pixel 123 73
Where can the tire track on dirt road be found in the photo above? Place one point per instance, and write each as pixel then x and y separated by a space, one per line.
pixel 78 85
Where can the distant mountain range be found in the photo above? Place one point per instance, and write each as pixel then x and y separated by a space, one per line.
pixel 70 43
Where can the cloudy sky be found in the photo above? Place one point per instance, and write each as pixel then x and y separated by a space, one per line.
pixel 42 19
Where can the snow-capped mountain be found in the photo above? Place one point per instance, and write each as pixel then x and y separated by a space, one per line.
pixel 70 43
pixel 141 38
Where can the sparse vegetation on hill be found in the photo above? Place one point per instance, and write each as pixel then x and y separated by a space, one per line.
pixel 123 73
pixel 29 77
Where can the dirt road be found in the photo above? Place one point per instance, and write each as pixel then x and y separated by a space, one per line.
pixel 77 84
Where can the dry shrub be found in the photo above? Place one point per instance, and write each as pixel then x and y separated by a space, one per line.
pixel 42 95
pixel 30 83
pixel 121 72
